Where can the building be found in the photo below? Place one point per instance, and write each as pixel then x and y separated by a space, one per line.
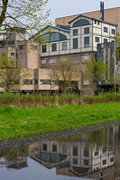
pixel 111 15
pixel 74 38
pixel 76 42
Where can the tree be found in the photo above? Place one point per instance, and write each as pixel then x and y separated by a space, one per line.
pixel 66 74
pixel 97 71
pixel 11 72
pixel 28 14
pixel 117 46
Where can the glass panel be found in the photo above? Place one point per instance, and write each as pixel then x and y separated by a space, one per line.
pixel 75 43
pixel 81 22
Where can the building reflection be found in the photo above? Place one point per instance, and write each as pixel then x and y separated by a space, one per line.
pixel 86 154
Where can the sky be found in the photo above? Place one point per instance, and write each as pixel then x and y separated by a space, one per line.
pixel 61 8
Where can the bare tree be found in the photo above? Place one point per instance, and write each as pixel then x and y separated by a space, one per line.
pixel 11 72
pixel 66 74
pixel 28 14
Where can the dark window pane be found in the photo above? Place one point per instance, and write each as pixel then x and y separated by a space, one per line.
pixel 75 32
pixel 86 41
pixel 113 31
pixel 86 162
pixel 105 29
pixel 97 39
pixel 75 161
pixel 81 22
pixel 44 48
pixel 54 47
pixel 75 43
pixel 86 152
pixel 75 151
pixel 104 162
pixel 54 148
pixel 64 45
pixel 86 30
pixel 44 147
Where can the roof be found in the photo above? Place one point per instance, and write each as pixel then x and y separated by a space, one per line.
pixel 81 15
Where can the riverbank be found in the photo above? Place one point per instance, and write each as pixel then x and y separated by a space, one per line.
pixel 23 122
pixel 32 100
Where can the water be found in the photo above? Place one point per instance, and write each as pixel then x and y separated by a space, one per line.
pixel 84 156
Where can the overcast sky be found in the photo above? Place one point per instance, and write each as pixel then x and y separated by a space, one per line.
pixel 60 8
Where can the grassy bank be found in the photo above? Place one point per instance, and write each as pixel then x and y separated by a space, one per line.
pixel 20 122
pixel 31 100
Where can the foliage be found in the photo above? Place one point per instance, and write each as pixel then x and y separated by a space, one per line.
pixel 97 70
pixel 117 46
pixel 11 72
pixel 66 74
pixel 22 122
pixel 29 14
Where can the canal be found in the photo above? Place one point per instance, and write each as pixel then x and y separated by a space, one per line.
pixel 91 155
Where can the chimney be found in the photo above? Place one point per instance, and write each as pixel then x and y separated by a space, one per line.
pixel 101 11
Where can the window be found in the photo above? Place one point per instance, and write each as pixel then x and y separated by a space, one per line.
pixel 44 48
pixel 86 30
pixel 97 39
pixel 111 159
pixel 113 31
pixel 81 22
pixel 105 41
pixel 27 82
pixel 75 32
pixel 44 147
pixel 54 148
pixel 75 161
pixel 21 47
pixel 86 162
pixel 75 43
pixel 75 151
pixel 12 54
pixel 104 162
pixel 86 41
pixel 86 152
pixel 43 61
pixel 105 29
pixel 64 45
pixel 54 47
pixel 44 81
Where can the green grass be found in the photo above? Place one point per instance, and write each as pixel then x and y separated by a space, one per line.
pixel 23 122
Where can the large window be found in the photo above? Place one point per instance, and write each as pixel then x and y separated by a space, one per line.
pixel 86 30
pixel 81 22
pixel 44 48
pixel 54 47
pixel 86 152
pixel 86 162
pixel 75 32
pixel 44 147
pixel 86 41
pixel 51 37
pixel 64 45
pixel 75 43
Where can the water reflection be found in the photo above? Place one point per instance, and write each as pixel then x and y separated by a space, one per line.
pixel 91 155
